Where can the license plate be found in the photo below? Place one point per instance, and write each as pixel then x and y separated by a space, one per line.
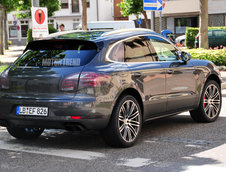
pixel 32 111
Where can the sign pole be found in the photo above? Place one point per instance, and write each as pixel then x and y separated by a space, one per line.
pixel 35 3
pixel 160 22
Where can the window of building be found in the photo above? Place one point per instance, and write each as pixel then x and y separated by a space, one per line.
pixel 64 4
pixel 75 6
pixel 182 23
pixel 24 29
pixel 88 3
pixel 136 50
pixel 12 31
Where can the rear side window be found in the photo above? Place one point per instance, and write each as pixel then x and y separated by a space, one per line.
pixel 137 50
pixel 55 53
pixel 117 53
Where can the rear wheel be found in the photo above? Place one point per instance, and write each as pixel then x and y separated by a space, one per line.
pixel 24 133
pixel 210 103
pixel 125 124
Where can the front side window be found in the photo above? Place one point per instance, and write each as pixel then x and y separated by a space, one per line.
pixel 136 50
pixel 164 50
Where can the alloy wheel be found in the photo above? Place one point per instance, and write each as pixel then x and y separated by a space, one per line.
pixel 212 101
pixel 129 121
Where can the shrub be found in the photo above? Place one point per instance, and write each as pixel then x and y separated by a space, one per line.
pixel 29 33
pixel 191 33
pixel 218 57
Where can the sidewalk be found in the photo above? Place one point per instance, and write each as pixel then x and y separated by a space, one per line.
pixel 12 54
pixel 15 51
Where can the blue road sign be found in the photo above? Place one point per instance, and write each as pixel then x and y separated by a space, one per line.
pixel 14 22
pixel 139 21
pixel 153 5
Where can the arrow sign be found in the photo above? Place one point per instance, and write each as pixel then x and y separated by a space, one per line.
pixel 153 5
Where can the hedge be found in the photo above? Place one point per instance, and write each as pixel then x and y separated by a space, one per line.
pixel 218 57
pixel 29 33
pixel 191 33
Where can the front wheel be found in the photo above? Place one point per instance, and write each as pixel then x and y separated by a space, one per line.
pixel 24 133
pixel 210 103
pixel 125 124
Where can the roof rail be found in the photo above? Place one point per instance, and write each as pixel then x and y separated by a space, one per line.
pixel 126 30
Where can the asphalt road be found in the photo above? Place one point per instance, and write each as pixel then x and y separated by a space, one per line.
pixel 170 144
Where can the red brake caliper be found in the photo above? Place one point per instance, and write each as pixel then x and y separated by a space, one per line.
pixel 204 101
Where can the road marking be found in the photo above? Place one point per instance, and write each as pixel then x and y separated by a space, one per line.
pixel 135 162
pixel 66 153
pixel 188 142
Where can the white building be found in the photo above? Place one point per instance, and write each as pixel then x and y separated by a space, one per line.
pixel 69 14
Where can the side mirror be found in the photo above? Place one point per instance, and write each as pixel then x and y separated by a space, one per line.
pixel 185 56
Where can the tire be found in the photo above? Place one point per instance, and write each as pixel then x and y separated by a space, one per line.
pixel 125 123
pixel 24 133
pixel 210 103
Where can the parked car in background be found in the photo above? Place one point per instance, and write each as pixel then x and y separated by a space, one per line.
pixel 216 38
pixel 181 40
pixel 107 81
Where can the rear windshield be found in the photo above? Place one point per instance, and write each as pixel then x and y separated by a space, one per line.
pixel 57 53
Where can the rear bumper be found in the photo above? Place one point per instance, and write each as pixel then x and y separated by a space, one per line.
pixel 93 114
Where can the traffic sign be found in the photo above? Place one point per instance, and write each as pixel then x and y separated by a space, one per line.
pixel 153 5
pixel 39 22
pixel 15 23
pixel 139 21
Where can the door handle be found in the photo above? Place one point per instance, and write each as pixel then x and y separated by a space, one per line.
pixel 169 71
pixel 137 74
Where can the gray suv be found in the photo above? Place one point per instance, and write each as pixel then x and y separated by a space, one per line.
pixel 107 81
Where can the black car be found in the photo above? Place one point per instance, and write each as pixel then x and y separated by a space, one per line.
pixel 107 81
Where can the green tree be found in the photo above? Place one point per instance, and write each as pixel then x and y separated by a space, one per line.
pixel 23 11
pixel 6 6
pixel 129 7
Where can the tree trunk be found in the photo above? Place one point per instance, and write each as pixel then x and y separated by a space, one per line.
pixel 84 15
pixel 148 26
pixel 5 29
pixel 1 31
pixel 203 41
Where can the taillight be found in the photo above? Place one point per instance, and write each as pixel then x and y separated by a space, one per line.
pixel 92 79
pixel 197 37
pixel 4 80
pixel 70 82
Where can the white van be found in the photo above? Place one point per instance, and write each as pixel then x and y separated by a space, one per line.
pixel 109 25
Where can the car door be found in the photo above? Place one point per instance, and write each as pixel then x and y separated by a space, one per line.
pixel 220 37
pixel 180 76
pixel 148 75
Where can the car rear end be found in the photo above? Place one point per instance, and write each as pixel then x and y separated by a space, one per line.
pixel 48 87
